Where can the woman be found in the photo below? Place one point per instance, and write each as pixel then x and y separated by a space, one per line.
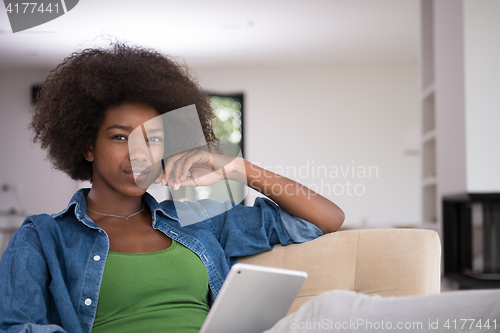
pixel 115 260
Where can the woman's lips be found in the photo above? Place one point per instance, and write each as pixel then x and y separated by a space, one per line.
pixel 137 174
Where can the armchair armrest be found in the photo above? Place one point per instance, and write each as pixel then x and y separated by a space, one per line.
pixel 387 262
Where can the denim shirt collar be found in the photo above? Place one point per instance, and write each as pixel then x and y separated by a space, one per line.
pixel 78 205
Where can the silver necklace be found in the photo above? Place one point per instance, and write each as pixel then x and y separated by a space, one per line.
pixel 118 216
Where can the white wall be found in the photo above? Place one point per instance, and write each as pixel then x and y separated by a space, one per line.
pixel 38 187
pixel 482 97
pixel 296 119
pixel 339 116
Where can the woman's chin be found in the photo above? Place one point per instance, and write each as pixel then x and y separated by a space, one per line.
pixel 144 183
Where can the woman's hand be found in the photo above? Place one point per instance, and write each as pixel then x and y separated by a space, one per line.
pixel 205 168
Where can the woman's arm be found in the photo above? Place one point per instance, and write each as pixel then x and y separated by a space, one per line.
pixel 294 198
pixel 291 196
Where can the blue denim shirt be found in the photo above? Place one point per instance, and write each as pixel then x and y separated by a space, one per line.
pixel 50 274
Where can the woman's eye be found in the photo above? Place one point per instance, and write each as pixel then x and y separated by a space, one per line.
pixel 155 139
pixel 120 137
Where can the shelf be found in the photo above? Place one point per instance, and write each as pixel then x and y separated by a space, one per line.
pixel 428 136
pixel 428 113
pixel 429 159
pixel 428 91
pixel 429 131
pixel 8 221
pixel 429 181
pixel 465 282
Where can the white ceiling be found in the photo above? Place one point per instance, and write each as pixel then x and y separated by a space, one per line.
pixel 212 33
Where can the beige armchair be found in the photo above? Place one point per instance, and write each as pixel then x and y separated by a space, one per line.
pixel 387 262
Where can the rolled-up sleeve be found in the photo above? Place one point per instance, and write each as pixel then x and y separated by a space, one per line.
pixel 300 230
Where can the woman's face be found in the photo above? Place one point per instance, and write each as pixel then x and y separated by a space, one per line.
pixel 126 156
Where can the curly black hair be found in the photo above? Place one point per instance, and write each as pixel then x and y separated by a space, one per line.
pixel 71 105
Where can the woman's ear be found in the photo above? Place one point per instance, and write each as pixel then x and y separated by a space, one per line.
pixel 89 154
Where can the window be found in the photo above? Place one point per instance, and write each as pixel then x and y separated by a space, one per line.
pixel 228 127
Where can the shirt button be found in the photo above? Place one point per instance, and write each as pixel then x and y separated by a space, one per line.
pixel 88 301
pixel 97 258
pixel 100 230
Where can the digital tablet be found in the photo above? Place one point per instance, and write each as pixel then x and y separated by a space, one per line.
pixel 253 299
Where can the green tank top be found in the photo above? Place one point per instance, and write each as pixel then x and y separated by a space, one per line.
pixel 164 291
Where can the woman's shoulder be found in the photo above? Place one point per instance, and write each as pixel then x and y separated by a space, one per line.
pixel 29 234
pixel 51 225
pixel 45 220
pixel 37 221
pixel 50 234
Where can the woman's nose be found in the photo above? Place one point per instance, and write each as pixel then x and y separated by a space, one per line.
pixel 139 154
pixel 139 150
